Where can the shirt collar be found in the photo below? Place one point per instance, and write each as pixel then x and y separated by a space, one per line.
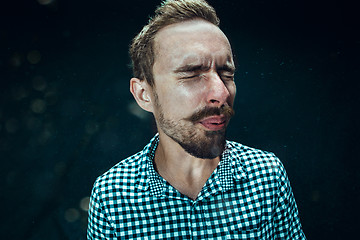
pixel 148 177
pixel 230 169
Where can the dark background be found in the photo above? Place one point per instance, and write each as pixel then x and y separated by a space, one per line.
pixel 66 114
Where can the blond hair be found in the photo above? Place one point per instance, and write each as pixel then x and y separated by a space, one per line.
pixel 169 12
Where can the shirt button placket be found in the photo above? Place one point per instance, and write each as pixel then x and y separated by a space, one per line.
pixel 193 221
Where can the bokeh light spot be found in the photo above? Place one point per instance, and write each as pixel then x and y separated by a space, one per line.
pixel 39 83
pixel 34 57
pixel 51 97
pixel 19 93
pixel 38 106
pixel 71 215
pixel 84 203
pixel 12 125
pixel 60 168
pixel 108 140
pixel 91 127
pixel 44 136
pixel 16 60
pixel 134 109
pixel 45 2
pixel 315 197
pixel 33 123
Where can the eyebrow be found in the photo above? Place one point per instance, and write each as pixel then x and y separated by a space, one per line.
pixel 200 67
pixel 226 67
pixel 191 68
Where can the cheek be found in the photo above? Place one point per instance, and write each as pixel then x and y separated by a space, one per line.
pixel 232 91
pixel 181 100
pixel 195 90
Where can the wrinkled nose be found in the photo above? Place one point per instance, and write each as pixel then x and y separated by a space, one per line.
pixel 218 93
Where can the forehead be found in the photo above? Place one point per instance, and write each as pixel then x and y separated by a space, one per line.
pixel 193 40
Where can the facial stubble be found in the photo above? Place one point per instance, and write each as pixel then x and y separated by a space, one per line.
pixel 197 142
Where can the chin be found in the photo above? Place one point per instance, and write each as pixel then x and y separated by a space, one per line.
pixel 209 146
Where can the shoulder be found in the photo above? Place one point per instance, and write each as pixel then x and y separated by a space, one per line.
pixel 122 175
pixel 255 162
pixel 128 174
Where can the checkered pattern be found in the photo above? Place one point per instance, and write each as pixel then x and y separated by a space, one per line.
pixel 248 196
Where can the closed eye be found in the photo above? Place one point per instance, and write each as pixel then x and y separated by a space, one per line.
pixel 227 76
pixel 191 76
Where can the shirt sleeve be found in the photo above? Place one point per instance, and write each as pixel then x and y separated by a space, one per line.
pixel 286 217
pixel 99 226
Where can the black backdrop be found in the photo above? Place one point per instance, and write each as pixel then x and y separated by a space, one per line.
pixel 66 114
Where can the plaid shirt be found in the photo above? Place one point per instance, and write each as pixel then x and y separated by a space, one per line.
pixel 248 196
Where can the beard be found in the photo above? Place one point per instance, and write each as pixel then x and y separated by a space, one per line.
pixel 195 141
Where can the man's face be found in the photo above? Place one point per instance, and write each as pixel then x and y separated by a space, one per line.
pixel 194 87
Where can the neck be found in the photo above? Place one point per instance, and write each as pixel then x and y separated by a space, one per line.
pixel 183 171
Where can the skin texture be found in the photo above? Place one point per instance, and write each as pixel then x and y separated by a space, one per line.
pixel 191 101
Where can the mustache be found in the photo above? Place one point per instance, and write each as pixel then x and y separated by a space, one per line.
pixel 227 111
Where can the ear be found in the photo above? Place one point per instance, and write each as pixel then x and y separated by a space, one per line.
pixel 141 91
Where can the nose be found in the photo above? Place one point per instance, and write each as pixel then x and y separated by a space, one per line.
pixel 218 93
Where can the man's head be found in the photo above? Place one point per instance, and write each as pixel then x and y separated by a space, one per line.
pixel 142 50
pixel 193 89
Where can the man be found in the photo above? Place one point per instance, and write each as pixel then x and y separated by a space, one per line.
pixel 189 182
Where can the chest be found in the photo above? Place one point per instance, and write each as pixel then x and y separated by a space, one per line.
pixel 232 215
